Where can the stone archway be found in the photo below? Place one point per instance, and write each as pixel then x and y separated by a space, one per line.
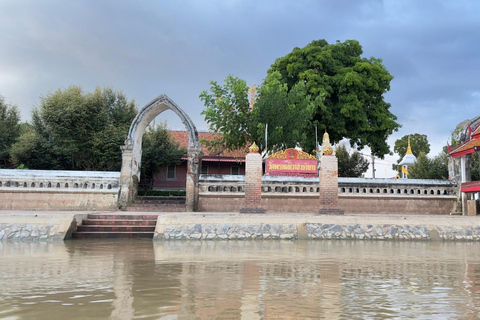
pixel 132 152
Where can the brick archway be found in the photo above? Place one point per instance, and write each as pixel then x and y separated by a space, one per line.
pixel 132 152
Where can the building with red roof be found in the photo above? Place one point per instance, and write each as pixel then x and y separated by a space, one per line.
pixel 213 162
pixel 462 153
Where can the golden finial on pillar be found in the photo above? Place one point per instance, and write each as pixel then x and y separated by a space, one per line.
pixel 326 146
pixel 253 148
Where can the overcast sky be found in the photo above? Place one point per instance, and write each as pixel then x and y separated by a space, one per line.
pixel 148 48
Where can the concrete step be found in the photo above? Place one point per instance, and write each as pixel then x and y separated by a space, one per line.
pixel 115 228
pixel 119 222
pixel 157 208
pixel 123 216
pixel 110 235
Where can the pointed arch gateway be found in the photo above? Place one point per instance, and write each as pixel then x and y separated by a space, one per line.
pixel 132 152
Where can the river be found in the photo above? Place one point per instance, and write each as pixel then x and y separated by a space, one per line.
pixel 87 279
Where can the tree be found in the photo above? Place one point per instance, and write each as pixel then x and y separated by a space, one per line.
pixel 9 130
pixel 240 122
pixel 347 90
pixel 425 168
pixel 350 165
pixel 73 130
pixel 228 112
pixel 418 143
pixel 328 86
pixel 158 150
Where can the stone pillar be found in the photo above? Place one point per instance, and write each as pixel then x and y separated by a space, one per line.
pixel 253 182
pixel 127 187
pixel 328 176
pixel 193 171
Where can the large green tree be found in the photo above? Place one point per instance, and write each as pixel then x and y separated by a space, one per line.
pixel 347 90
pixel 158 150
pixel 74 130
pixel 350 165
pixel 9 130
pixel 325 86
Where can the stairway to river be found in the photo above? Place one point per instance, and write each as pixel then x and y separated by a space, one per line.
pixel 117 226
pixel 158 204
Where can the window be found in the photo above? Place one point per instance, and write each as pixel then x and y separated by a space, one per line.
pixel 204 169
pixel 235 171
pixel 171 172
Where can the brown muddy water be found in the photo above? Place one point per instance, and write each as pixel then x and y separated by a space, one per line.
pixel 240 280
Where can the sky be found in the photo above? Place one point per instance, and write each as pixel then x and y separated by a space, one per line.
pixel 149 48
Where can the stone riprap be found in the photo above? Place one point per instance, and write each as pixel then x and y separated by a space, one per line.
pixel 459 232
pixel 27 232
pixel 231 232
pixel 38 227
pixel 367 232
pixel 350 227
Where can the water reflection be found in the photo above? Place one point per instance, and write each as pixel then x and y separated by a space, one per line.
pixel 239 280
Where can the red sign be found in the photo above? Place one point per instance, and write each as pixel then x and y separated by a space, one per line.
pixel 275 166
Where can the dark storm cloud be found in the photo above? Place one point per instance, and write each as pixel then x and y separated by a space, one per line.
pixel 147 48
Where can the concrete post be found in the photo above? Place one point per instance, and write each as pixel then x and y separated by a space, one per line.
pixel 253 182
pixel 126 180
pixel 193 171
pixel 328 177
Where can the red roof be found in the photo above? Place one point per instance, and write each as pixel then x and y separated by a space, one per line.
pixel 219 155
pixel 476 132
pixel 472 186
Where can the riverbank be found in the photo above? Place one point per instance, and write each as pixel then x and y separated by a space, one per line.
pixel 58 226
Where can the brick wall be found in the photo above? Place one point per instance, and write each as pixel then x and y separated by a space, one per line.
pixel 308 204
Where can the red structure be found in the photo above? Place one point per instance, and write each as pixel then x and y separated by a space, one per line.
pixel 291 162
pixel 471 145
pixel 213 162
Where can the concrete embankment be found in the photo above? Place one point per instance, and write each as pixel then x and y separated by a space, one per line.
pixel 58 226
pixel 38 225
pixel 205 226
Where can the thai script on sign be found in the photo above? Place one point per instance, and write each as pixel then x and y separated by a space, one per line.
pixel 291 166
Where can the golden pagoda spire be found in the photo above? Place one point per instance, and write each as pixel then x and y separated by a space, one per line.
pixel 409 149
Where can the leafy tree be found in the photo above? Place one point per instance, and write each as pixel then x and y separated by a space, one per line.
pixel 73 130
pixel 328 86
pixel 418 143
pixel 9 130
pixel 287 113
pixel 229 112
pixel 353 165
pixel 347 90
pixel 425 168
pixel 158 150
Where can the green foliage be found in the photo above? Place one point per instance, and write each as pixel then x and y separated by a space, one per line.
pixel 329 86
pixel 287 113
pixel 227 111
pixel 425 168
pixel 158 150
pixel 418 143
pixel 353 165
pixel 73 130
pixel 475 171
pixel 347 91
pixel 9 130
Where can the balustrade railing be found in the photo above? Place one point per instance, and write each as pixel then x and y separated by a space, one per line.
pixel 346 186
pixel 72 181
